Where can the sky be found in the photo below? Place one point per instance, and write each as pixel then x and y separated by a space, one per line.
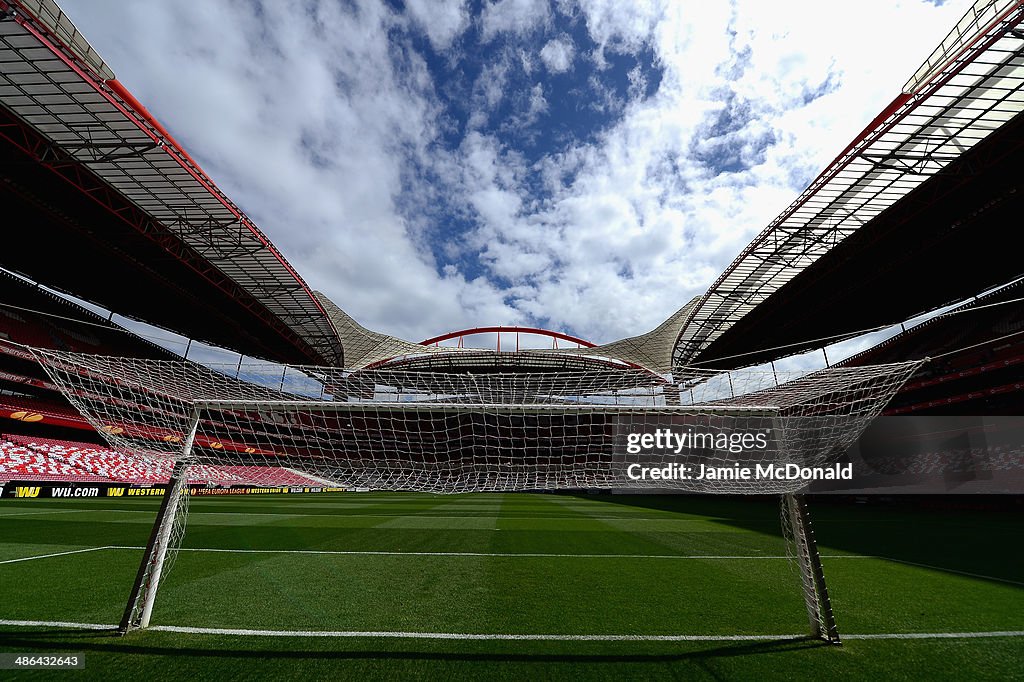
pixel 585 166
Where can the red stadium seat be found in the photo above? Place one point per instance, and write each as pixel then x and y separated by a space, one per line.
pixel 47 459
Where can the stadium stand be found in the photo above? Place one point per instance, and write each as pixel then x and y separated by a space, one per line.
pixel 978 357
pixel 19 461
pixel 894 213
pixel 954 461
pixel 34 316
pixel 47 459
pixel 33 410
pixel 31 315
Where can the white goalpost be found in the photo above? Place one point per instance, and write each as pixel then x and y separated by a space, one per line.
pixel 445 432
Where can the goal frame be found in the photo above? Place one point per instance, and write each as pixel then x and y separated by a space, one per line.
pixel 156 408
pixel 139 609
pixel 799 534
pixel 796 520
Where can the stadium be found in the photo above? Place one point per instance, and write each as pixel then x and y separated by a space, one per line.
pixel 340 501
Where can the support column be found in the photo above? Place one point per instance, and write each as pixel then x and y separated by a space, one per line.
pixel 819 606
pixel 139 609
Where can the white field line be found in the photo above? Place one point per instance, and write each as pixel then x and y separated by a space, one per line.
pixel 568 638
pixel 388 634
pixel 934 635
pixel 47 556
pixel 508 555
pixel 508 636
pixel 4 515
pixel 56 624
pixel 524 555
pixel 356 514
pixel 463 517
pixel 511 555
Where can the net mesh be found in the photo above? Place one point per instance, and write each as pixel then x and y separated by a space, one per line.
pixel 798 551
pixel 449 432
pixel 161 553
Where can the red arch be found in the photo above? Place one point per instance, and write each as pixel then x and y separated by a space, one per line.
pixel 499 330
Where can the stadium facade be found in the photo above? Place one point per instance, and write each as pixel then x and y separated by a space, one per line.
pixel 108 196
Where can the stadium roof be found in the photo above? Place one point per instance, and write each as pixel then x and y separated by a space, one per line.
pixel 31 315
pixel 653 349
pixel 996 318
pixel 191 259
pixel 365 348
pixel 976 353
pixel 109 185
pixel 911 159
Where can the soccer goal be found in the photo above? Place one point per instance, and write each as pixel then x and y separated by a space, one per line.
pixel 739 432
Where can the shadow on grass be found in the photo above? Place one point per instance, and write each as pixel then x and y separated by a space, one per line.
pixel 916 531
pixel 111 643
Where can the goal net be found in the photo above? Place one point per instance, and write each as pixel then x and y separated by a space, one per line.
pixel 440 432
pixel 449 432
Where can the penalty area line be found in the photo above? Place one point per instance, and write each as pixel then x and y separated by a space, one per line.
pixel 4 515
pixel 47 556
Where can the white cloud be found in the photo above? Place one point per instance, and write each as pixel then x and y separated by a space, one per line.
pixel 326 133
pixel 557 54
pixel 308 120
pixel 626 26
pixel 489 90
pixel 442 21
pixel 517 17
pixel 535 104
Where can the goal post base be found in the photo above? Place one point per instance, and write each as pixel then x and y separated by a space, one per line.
pixel 139 609
pixel 796 521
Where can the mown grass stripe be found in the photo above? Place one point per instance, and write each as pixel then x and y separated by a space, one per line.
pixel 968 574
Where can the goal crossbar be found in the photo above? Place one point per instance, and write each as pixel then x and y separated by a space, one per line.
pixel 417 406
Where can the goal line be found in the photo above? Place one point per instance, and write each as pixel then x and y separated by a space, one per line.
pixel 502 636
pixel 497 555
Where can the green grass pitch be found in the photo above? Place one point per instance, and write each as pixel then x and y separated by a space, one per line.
pixel 514 564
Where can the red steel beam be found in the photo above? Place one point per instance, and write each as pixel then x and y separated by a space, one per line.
pixel 512 329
